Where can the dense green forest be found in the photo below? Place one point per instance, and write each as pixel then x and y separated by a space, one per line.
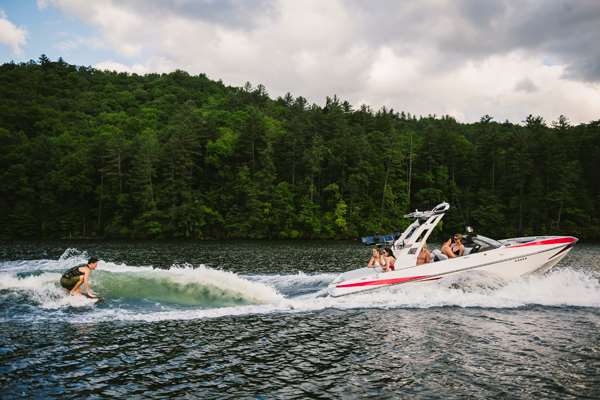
pixel 86 153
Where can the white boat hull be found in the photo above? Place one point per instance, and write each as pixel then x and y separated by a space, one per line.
pixel 511 261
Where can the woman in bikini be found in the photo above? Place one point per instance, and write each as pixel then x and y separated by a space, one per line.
pixel 387 260
pixel 375 260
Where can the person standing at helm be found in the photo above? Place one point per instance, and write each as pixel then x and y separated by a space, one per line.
pixel 74 278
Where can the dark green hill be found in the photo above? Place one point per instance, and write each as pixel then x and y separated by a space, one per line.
pixel 86 153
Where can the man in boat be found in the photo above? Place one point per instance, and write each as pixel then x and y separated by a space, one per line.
pixel 78 276
pixel 453 247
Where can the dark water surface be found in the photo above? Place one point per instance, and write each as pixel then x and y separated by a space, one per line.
pixel 248 320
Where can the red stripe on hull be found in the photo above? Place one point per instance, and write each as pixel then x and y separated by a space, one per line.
pixel 390 281
pixel 562 240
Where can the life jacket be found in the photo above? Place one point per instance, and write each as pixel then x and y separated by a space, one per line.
pixel 73 272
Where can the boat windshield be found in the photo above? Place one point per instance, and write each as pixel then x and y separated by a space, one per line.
pixel 485 243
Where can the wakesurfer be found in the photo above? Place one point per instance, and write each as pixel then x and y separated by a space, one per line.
pixel 78 276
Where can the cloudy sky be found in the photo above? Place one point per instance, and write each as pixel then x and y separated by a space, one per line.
pixel 465 58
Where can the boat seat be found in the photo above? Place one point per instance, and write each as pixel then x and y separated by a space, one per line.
pixel 438 255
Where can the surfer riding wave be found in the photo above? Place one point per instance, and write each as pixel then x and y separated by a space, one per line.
pixel 78 276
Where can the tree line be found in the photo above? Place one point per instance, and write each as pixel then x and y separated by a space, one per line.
pixel 89 153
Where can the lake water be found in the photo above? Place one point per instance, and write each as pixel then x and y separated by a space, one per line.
pixel 249 320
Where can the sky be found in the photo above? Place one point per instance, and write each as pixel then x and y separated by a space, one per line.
pixel 463 58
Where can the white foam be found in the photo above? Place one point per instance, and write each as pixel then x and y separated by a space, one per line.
pixel 43 289
pixel 562 287
pixel 72 253
pixel 294 281
pixel 33 282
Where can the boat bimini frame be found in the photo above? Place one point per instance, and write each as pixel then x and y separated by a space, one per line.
pixel 408 246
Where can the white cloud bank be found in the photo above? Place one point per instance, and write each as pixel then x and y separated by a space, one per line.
pixel 463 58
pixel 11 35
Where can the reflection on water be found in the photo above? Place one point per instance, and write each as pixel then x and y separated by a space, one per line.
pixel 536 338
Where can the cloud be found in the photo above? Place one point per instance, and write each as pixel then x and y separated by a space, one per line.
pixel 568 31
pixel 480 87
pixel 118 67
pixel 466 58
pixel 11 35
pixel 526 85
pixel 464 30
pixel 233 14
pixel 154 65
pixel 75 42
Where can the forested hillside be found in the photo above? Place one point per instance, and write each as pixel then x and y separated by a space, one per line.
pixel 86 153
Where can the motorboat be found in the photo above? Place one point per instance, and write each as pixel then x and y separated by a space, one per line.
pixel 507 259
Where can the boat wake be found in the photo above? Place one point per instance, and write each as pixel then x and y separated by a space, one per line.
pixel 181 285
pixel 30 290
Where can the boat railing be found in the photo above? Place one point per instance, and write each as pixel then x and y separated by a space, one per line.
pixel 439 209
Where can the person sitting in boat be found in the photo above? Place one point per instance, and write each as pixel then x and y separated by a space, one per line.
pixel 453 247
pixel 424 256
pixel 387 260
pixel 375 258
